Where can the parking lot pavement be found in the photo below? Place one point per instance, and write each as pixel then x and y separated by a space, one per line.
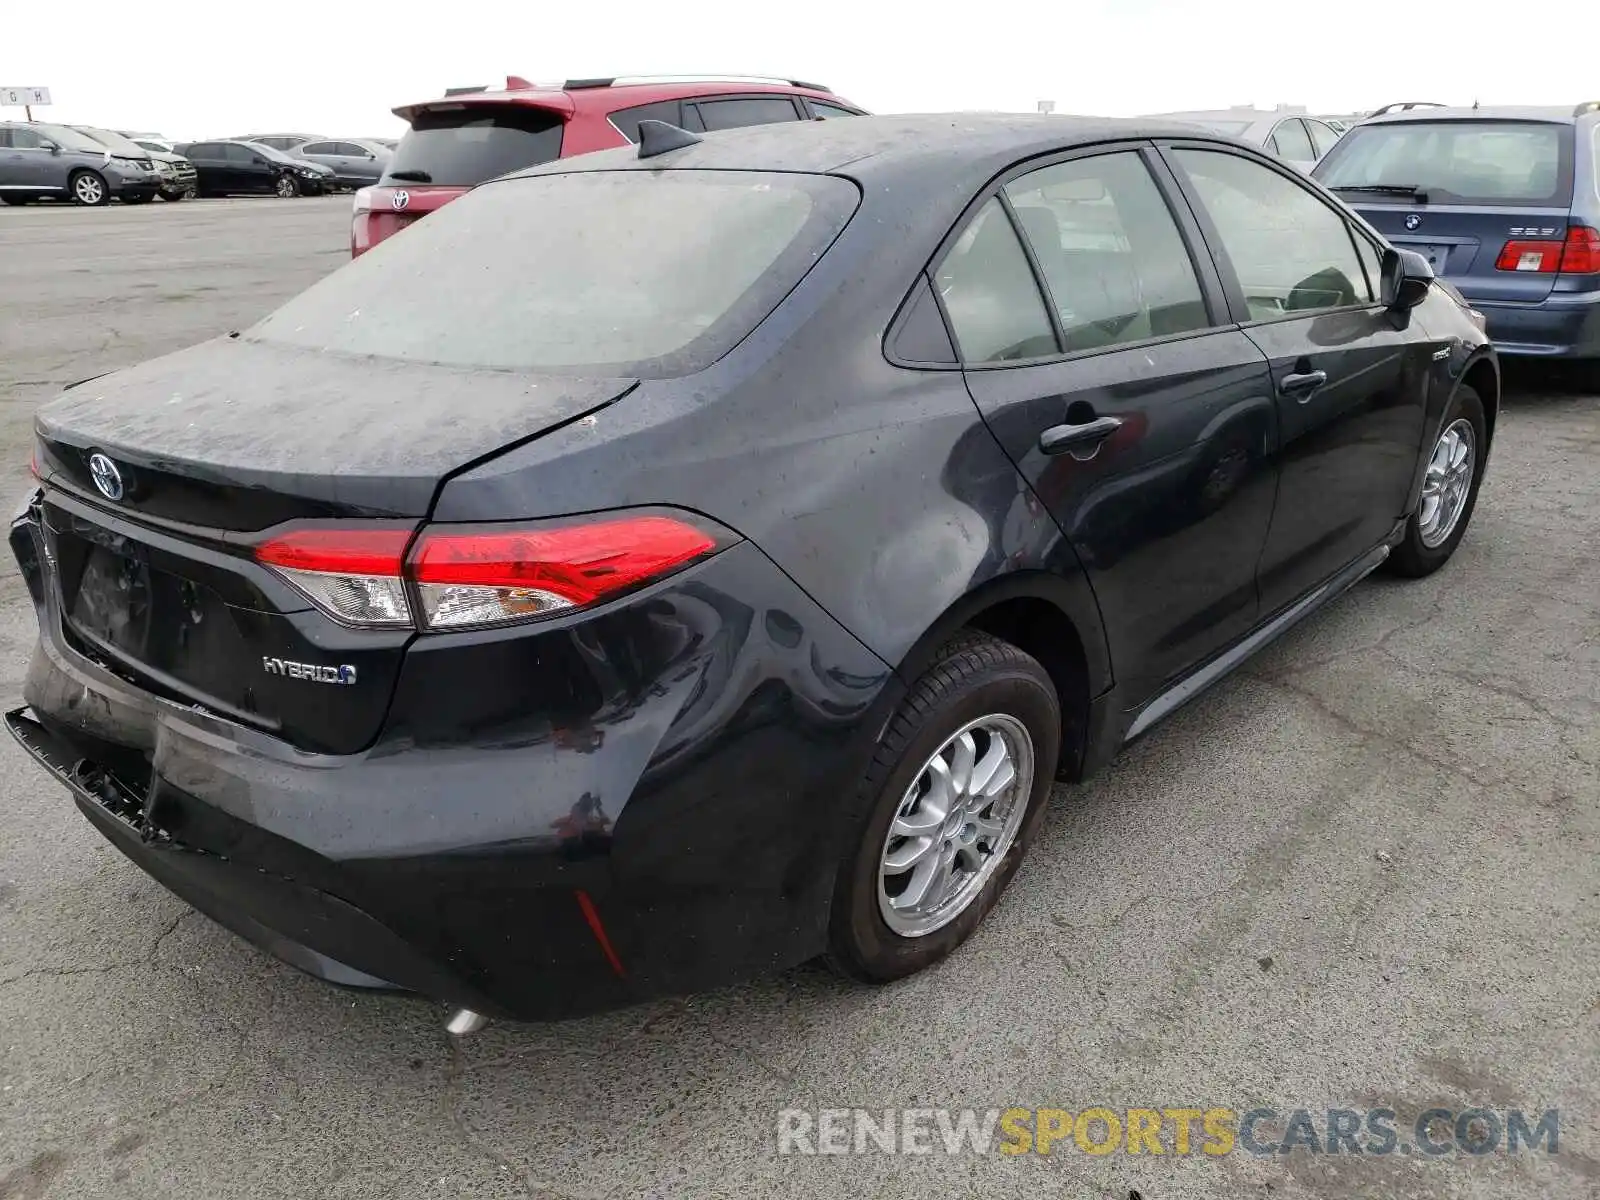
pixel 1364 873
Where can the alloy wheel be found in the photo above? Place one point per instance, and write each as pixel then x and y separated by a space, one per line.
pixel 954 824
pixel 1447 483
pixel 88 189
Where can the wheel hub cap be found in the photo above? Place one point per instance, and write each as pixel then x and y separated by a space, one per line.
pixel 1447 483
pixel 954 825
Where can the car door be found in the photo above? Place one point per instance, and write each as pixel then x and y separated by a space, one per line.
pixel 321 152
pixel 1097 343
pixel 363 166
pixel 250 170
pixel 1349 375
pixel 21 166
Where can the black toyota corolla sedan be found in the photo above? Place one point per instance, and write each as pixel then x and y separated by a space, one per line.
pixel 675 563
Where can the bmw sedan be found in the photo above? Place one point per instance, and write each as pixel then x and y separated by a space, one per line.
pixel 674 563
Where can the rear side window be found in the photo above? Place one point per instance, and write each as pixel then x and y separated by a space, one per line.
pixel 1509 164
pixel 737 114
pixel 990 295
pixel 828 112
pixel 1323 136
pixel 1293 253
pixel 1110 253
pixel 627 119
pixel 462 147
pixel 592 272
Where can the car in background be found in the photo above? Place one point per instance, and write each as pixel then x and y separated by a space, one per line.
pixel 355 163
pixel 39 160
pixel 472 134
pixel 227 168
pixel 1504 203
pixel 664 567
pixel 281 141
pixel 324 181
pixel 1294 137
pixel 177 173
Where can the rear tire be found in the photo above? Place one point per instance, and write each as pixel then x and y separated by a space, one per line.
pixel 1001 701
pixel 89 188
pixel 1450 490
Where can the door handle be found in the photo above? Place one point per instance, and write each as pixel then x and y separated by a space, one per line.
pixel 1302 384
pixel 1059 438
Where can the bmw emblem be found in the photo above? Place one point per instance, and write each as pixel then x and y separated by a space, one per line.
pixel 400 199
pixel 1411 222
pixel 107 479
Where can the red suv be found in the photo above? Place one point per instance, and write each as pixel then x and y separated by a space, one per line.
pixel 472 134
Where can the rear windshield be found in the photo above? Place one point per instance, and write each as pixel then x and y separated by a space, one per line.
pixel 1509 164
pixel 467 145
pixel 629 273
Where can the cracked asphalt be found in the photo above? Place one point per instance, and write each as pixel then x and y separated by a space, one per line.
pixel 1364 872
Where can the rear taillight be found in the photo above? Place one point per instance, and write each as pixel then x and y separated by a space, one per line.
pixel 487 574
pixel 353 575
pixel 1579 254
pixel 362 202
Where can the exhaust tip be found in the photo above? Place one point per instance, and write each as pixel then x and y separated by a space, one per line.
pixel 464 1021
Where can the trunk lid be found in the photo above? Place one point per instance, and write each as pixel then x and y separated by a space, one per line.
pixel 214 445
pixel 1463 242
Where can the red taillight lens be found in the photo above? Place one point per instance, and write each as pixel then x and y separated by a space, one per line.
pixel 481 576
pixel 1581 255
pixel 1543 258
pixel 485 575
pixel 353 575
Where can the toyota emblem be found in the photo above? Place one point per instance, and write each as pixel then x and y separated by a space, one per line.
pixel 1413 221
pixel 400 199
pixel 107 479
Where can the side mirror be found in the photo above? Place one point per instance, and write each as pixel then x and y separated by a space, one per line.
pixel 1406 279
pixel 50 146
pixel 258 161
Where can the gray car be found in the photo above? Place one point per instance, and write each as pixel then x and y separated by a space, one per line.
pixel 39 160
pixel 1296 138
pixel 177 173
pixel 356 163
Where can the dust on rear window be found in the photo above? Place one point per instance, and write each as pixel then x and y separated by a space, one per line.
pixel 463 146
pixel 1495 163
pixel 636 273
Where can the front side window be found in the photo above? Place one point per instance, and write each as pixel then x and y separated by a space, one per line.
pixel 25 139
pixel 317 148
pixel 1293 253
pixel 599 272
pixel 829 112
pixel 1506 164
pixel 1112 259
pixel 739 114
pixel 990 294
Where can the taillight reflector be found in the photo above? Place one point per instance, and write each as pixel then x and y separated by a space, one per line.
pixel 1579 254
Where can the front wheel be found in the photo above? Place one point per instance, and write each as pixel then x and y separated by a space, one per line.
pixel 286 186
pixel 1449 489
pixel 173 195
pixel 946 810
pixel 89 187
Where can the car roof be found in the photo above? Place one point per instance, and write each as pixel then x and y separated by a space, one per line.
pixel 599 95
pixel 1500 112
pixel 958 149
